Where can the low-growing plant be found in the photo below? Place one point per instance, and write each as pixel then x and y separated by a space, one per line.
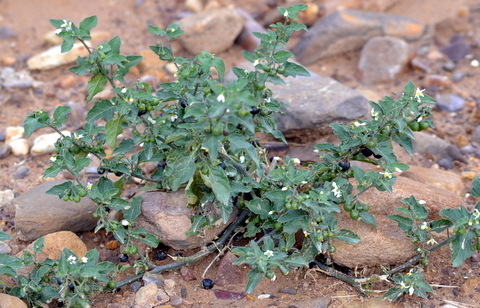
pixel 201 133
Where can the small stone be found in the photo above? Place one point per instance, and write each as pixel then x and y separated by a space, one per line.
pixel 439 82
pixel 135 286
pixel 194 5
pixel 445 163
pixel 112 245
pixel 14 133
pixel 156 278
pixel 8 60
pixel 421 64
pixel 21 172
pixel 456 51
pixel 45 144
pixel 2 137
pixel 67 81
pixel 169 287
pixel 20 147
pixel 468 175
pixel 183 292
pixel 462 141
pixel 187 274
pixel 6 196
pixel 227 295
pixel 11 301
pixel 288 291
pixel 449 66
pixel 457 76
pixel 456 292
pixel 5 151
pixel 264 296
pixel 7 33
pixel 450 102
pixel 147 295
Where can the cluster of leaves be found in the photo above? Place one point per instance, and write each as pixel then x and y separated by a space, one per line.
pixel 69 280
pixel 200 133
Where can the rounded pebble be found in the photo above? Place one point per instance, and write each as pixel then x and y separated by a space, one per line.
pixel 449 66
pixel 450 103
pixel 135 286
pixel 21 173
pixel 2 137
pixel 20 147
pixel 457 76
pixel 445 163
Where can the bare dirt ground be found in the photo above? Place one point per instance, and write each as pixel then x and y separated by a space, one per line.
pixel 129 19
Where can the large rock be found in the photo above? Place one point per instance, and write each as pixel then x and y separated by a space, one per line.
pixel 388 245
pixel 9 301
pixel 349 30
pixel 167 216
pixel 382 59
pixel 315 102
pixel 214 31
pixel 53 57
pixel 442 179
pixel 38 213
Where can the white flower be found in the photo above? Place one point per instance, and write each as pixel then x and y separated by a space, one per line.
pixel 84 259
pixel 386 174
pixel 357 124
pixel 316 151
pixel 78 137
pixel 89 186
pixel 58 31
pixel 72 260
pixel 432 241
pixel 410 291
pixel 276 158
pixel 474 63
pixel 418 94
pixel 269 99
pixel 256 62
pixel 268 253
pixel 421 202
pixel 296 161
pixel 53 158
pixel 336 191
pixel 242 159
pixel 410 272
pixel 374 114
pixel 305 233
pixel 398 170
pixel 124 90
pixel 403 286
pixel 284 188
pixel 173 117
pixel 273 278
pixel 149 119
pixel 424 226
pixel 221 98
pixel 67 25
pixel 476 214
pixel 285 14
pixel 303 182
pixel 271 213
pixel 125 223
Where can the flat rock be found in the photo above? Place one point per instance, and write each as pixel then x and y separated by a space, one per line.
pixel 348 30
pixel 436 177
pixel 45 144
pixel 53 57
pixel 314 102
pixel 167 216
pixel 389 245
pixel 214 31
pixel 227 273
pixel 38 213
pixel 382 59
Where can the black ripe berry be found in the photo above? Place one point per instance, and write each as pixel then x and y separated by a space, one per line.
pixel 71 287
pixel 234 200
pixel 183 103
pixel 162 164
pixel 59 281
pixel 141 112
pixel 254 110
pixel 119 173
pixel 160 255
pixel 207 284
pixel 223 165
pixel 60 304
pixel 377 156
pixel 367 152
pixel 178 255
pixel 101 170
pixel 124 258
pixel 344 165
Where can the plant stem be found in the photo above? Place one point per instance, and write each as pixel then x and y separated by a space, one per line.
pixel 199 255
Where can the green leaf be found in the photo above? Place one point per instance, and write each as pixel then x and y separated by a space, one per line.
pixel 156 30
pixel 198 222
pixel 132 211
pixel 59 189
pixel 347 236
pixel 34 121
pixel 404 223
pixel 219 65
pixel 462 248
pixel 219 184
pixel 409 89
pixel 52 171
pixel 405 142
pixel 476 187
pixel 102 109
pixel 254 277
pixel 238 143
pixel 259 207
pixel 282 56
pixel 67 44
pixel 115 44
pixel 384 149
pixel 112 130
pixel 151 240
pixel 211 142
pixel 393 293
pixel 291 215
pixel 248 56
pixel 4 236
pixel 88 23
pixel 95 85
pixel 174 31
pixel 294 70
pixel 82 68
pixel 184 168
pixel 338 129
pixel 368 218
pixel 125 146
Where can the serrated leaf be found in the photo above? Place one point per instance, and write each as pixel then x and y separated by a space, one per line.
pixel 248 55
pixel 282 56
pixel 291 215
pixel 132 211
pixel 211 142
pixel 462 248
pixel 409 89
pixel 405 142
pixel 115 44
pixel 198 222
pixel 59 189
pixel 82 68
pixel 102 109
pixel 219 65
pixel 151 240
pixel 34 121
pixel 384 149
pixel 95 86
pixel 125 146
pixel 368 218
pixel 112 130
pixel 156 30
pixel 404 223
pixel 67 44
pixel 476 187
pixel 219 184
pixel 338 129
pixel 238 143
pixel 184 168
pixel 52 171
pixel 254 277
